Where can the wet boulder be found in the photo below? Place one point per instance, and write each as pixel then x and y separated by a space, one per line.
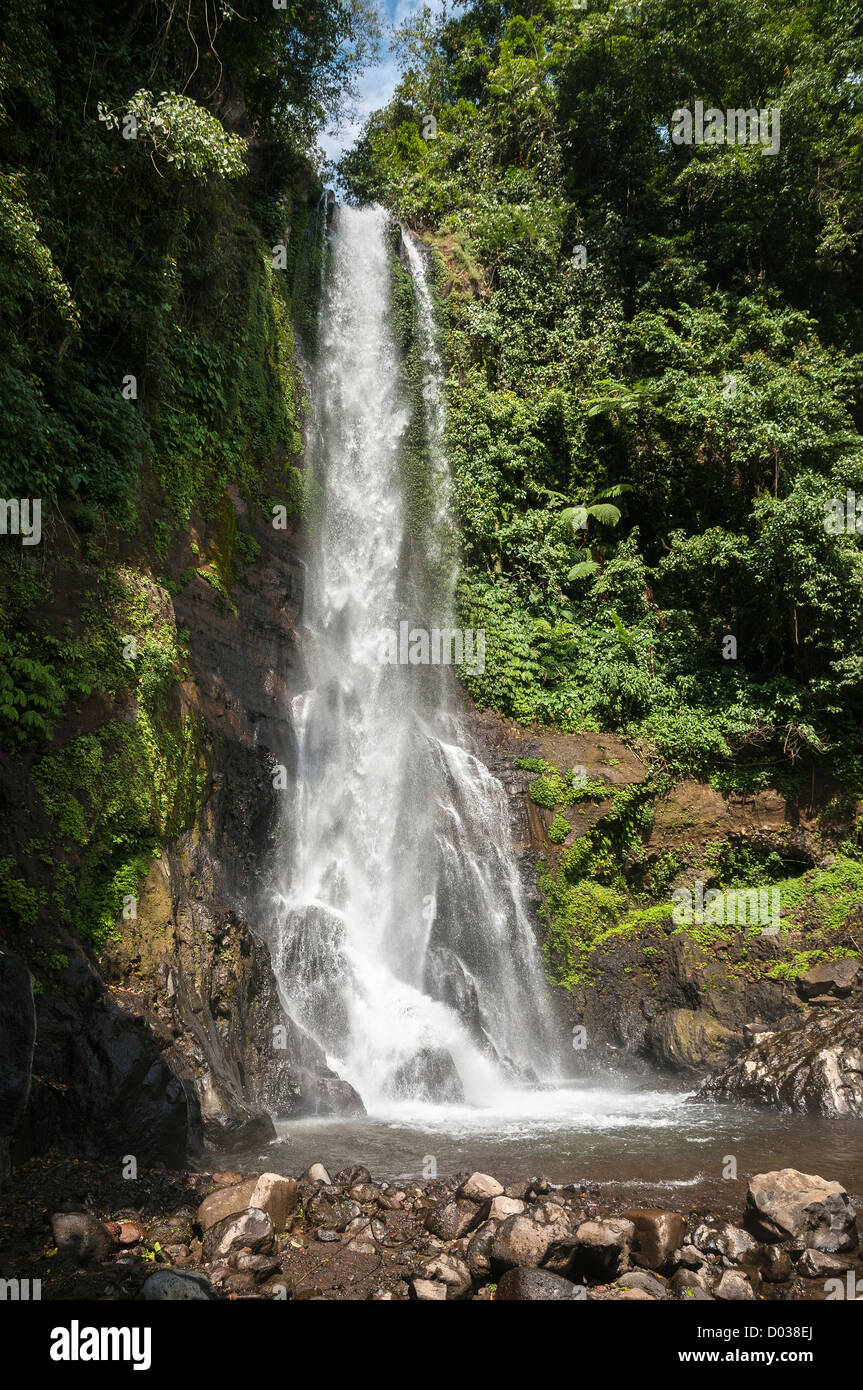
pixel 658 1236
pixel 805 1211
pixel 429 1075
pixel 816 1066
pixel 602 1248
pixel 450 1220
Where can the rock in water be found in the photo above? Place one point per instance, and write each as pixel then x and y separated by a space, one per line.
pixel 807 1211
pixel 429 1075
pixel 816 1066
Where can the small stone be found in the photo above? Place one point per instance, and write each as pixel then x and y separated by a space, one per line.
pixel 734 1286
pixel 428 1291
pixel 174 1286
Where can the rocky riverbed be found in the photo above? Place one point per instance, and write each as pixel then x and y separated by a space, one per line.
pixel 88 1234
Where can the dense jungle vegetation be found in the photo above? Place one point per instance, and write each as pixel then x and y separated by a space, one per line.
pixel 666 338
pixel 151 157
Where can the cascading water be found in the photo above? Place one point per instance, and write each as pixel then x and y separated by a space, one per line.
pixel 404 945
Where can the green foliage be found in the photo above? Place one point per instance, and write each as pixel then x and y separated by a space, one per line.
pixel 689 395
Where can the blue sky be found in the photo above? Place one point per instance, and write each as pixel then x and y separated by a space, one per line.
pixel 377 84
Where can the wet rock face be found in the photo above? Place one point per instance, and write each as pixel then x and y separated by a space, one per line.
pixel 116 1096
pixel 815 1067
pixel 17 1036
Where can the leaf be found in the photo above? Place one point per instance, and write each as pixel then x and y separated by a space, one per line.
pixel 606 514
pixel 584 569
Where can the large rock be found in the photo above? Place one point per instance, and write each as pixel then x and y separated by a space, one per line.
pixel 533 1285
pixel 808 1212
pixel 836 977
pixel 275 1195
pixel 658 1235
pixel 479 1187
pixel 450 1220
pixel 251 1229
pixel 602 1248
pixel 451 1271
pixel 17 1036
pixel 81 1237
pixel 478 1253
pixel 429 1075
pixel 816 1067
pixel 520 1241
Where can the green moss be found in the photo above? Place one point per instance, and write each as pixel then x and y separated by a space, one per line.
pixel 558 830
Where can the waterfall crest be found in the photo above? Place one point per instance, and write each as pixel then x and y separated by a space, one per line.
pixel 403 942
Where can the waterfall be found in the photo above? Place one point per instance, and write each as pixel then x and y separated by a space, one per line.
pixel 403 942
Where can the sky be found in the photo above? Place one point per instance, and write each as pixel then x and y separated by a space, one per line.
pixel 377 83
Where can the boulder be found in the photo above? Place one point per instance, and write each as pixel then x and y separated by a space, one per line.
pixel 725 1239
pixel 318 1173
pixel 251 1229
pixel 452 1272
pixel 271 1193
pixel 502 1207
pixel 734 1286
pixel 176 1286
pixel 816 1066
pixel 816 1264
pixel 429 1075
pixel 428 1290
pixel 836 977
pixel 80 1237
pixel 451 1219
pixel 806 1211
pixel 478 1253
pixel 520 1241
pixel 602 1248
pixel 534 1285
pixel 658 1236
pixel 689 1287
pixel 644 1280
pixel 479 1187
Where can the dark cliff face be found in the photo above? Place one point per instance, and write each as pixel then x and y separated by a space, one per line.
pixel 173 1036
